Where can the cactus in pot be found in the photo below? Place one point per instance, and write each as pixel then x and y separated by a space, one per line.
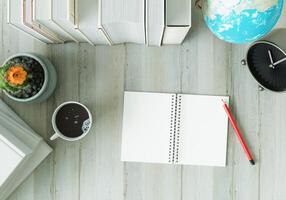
pixel 21 77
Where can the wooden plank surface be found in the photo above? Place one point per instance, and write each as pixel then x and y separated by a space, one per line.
pixel 97 76
pixel 205 70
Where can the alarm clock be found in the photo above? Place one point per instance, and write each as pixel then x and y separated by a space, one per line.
pixel 267 63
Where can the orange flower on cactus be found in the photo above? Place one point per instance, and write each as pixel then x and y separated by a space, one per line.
pixel 16 75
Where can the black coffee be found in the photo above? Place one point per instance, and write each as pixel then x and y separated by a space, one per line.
pixel 72 120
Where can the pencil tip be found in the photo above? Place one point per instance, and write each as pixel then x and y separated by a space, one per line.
pixel 252 162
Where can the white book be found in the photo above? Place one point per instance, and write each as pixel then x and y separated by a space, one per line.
pixel 25 169
pixel 21 151
pixel 178 21
pixel 26 136
pixel 174 129
pixel 122 21
pixel 27 16
pixel 86 16
pixel 15 19
pixel 155 22
pixel 44 15
pixel 64 16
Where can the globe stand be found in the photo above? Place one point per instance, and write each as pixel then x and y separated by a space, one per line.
pixel 198 4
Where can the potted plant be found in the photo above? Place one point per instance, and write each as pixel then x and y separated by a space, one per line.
pixel 27 77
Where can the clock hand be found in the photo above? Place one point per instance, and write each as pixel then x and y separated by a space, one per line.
pixel 279 61
pixel 270 57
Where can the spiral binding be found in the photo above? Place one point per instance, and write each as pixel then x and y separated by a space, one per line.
pixel 175 129
pixel 178 123
pixel 172 128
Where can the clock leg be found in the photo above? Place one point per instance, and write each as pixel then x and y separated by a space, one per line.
pixel 243 62
pixel 260 88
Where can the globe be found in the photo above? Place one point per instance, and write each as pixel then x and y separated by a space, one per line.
pixel 241 21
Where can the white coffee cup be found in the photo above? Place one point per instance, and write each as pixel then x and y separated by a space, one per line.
pixel 58 133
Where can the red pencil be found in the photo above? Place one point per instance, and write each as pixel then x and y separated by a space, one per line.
pixel 238 133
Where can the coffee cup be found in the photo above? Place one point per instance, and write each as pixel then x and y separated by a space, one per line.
pixel 71 121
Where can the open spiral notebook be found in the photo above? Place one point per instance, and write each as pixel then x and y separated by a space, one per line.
pixel 174 129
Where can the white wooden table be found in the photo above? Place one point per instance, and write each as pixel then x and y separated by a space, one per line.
pixel 97 76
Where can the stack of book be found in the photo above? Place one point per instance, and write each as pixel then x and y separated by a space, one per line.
pixel 151 22
pixel 167 21
pixel 21 151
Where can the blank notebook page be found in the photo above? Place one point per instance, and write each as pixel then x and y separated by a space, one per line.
pixel 146 127
pixel 203 130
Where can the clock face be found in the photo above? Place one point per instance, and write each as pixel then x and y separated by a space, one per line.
pixel 267 63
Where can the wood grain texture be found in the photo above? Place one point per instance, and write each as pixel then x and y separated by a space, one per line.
pixel 97 76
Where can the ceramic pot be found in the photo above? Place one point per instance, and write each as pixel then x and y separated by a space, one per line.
pixel 50 79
